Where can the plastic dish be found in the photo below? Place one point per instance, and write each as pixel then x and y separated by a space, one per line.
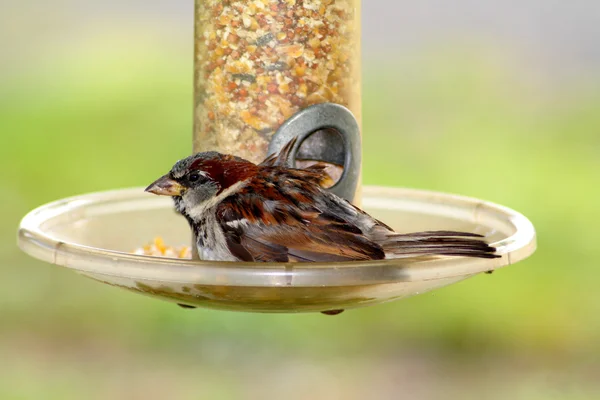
pixel 94 234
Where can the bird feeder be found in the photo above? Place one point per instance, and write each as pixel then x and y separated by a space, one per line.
pixel 266 72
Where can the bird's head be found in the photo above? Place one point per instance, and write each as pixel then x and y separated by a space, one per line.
pixel 201 177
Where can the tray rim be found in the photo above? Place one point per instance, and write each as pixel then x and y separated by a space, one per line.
pixel 33 240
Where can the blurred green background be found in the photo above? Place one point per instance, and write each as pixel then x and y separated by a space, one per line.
pixel 464 98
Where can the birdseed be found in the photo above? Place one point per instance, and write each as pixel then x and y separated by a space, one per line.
pixel 158 248
pixel 260 61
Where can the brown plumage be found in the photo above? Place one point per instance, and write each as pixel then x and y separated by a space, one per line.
pixel 244 212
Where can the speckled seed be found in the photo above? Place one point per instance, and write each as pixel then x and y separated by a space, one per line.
pixel 260 61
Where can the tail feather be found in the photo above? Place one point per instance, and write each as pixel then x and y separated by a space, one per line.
pixel 443 243
pixel 439 234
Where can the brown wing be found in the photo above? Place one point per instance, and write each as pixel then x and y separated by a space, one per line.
pixel 280 159
pixel 317 171
pixel 264 223
pixel 283 215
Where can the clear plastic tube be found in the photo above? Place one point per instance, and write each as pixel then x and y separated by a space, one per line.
pixel 257 62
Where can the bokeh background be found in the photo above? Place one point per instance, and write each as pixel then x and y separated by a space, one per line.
pixel 498 100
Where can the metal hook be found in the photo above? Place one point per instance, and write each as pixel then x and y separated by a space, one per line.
pixel 324 116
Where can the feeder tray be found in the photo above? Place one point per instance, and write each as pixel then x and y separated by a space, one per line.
pixel 265 76
pixel 94 235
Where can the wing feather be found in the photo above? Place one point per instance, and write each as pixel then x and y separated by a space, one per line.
pixel 290 231
pixel 282 215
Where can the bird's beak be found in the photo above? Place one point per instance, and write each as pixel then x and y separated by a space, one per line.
pixel 165 186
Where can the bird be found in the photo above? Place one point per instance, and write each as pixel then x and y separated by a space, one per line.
pixel 246 212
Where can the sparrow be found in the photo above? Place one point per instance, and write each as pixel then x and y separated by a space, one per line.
pixel 240 211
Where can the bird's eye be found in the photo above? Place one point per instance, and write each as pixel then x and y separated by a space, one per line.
pixel 194 177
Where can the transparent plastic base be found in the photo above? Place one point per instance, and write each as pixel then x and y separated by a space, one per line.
pixel 94 234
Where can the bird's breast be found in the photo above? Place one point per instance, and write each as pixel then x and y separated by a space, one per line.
pixel 210 240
